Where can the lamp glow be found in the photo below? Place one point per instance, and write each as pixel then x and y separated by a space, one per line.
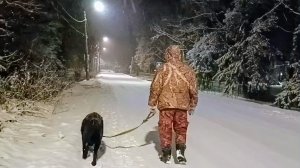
pixel 99 7
pixel 105 39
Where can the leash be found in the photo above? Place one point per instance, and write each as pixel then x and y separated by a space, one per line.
pixel 150 115
pixel 127 147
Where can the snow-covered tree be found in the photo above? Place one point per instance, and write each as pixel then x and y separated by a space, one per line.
pixel 182 22
pixel 249 58
pixel 239 42
pixel 33 45
pixel 144 55
pixel 290 96
pixel 204 53
pixel 202 57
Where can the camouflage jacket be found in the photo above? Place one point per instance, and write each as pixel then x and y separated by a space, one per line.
pixel 174 85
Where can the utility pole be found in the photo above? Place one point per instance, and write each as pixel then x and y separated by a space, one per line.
pixel 99 62
pixel 131 66
pixel 87 63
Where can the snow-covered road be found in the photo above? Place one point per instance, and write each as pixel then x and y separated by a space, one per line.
pixel 224 132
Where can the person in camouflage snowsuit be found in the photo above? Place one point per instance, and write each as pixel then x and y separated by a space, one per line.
pixel 174 92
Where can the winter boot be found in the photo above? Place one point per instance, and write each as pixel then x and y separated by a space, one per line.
pixel 166 156
pixel 180 148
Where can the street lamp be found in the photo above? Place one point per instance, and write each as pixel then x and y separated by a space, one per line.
pixel 99 7
pixel 105 39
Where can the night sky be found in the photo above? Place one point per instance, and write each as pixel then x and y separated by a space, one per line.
pixel 113 24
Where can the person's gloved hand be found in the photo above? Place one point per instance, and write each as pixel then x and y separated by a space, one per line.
pixel 191 111
pixel 152 109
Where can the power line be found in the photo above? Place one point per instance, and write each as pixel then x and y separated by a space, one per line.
pixel 73 26
pixel 76 30
pixel 76 20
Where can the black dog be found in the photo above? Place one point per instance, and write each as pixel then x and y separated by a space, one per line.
pixel 92 133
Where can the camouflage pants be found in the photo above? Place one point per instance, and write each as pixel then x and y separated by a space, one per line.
pixel 176 119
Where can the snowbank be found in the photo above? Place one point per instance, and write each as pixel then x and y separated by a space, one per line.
pixel 90 83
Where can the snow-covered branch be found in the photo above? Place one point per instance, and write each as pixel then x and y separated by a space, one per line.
pixel 200 27
pixel 283 29
pixel 288 7
pixel 270 11
pixel 3 30
pixel 29 6
pixel 2 68
pixel 6 35
pixel 161 32
pixel 196 16
pixel 198 3
pixel 280 2
pixel 7 56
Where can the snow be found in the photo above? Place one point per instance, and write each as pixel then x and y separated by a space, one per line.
pixel 223 133
pixel 90 83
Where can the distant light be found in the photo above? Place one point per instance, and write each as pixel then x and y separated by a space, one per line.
pixel 105 39
pixel 99 7
pixel 122 79
pixel 104 49
pixel 280 73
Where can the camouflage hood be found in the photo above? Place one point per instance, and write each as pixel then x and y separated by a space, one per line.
pixel 173 54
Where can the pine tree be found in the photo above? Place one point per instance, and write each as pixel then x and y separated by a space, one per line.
pixel 290 96
pixel 248 58
pixel 32 48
